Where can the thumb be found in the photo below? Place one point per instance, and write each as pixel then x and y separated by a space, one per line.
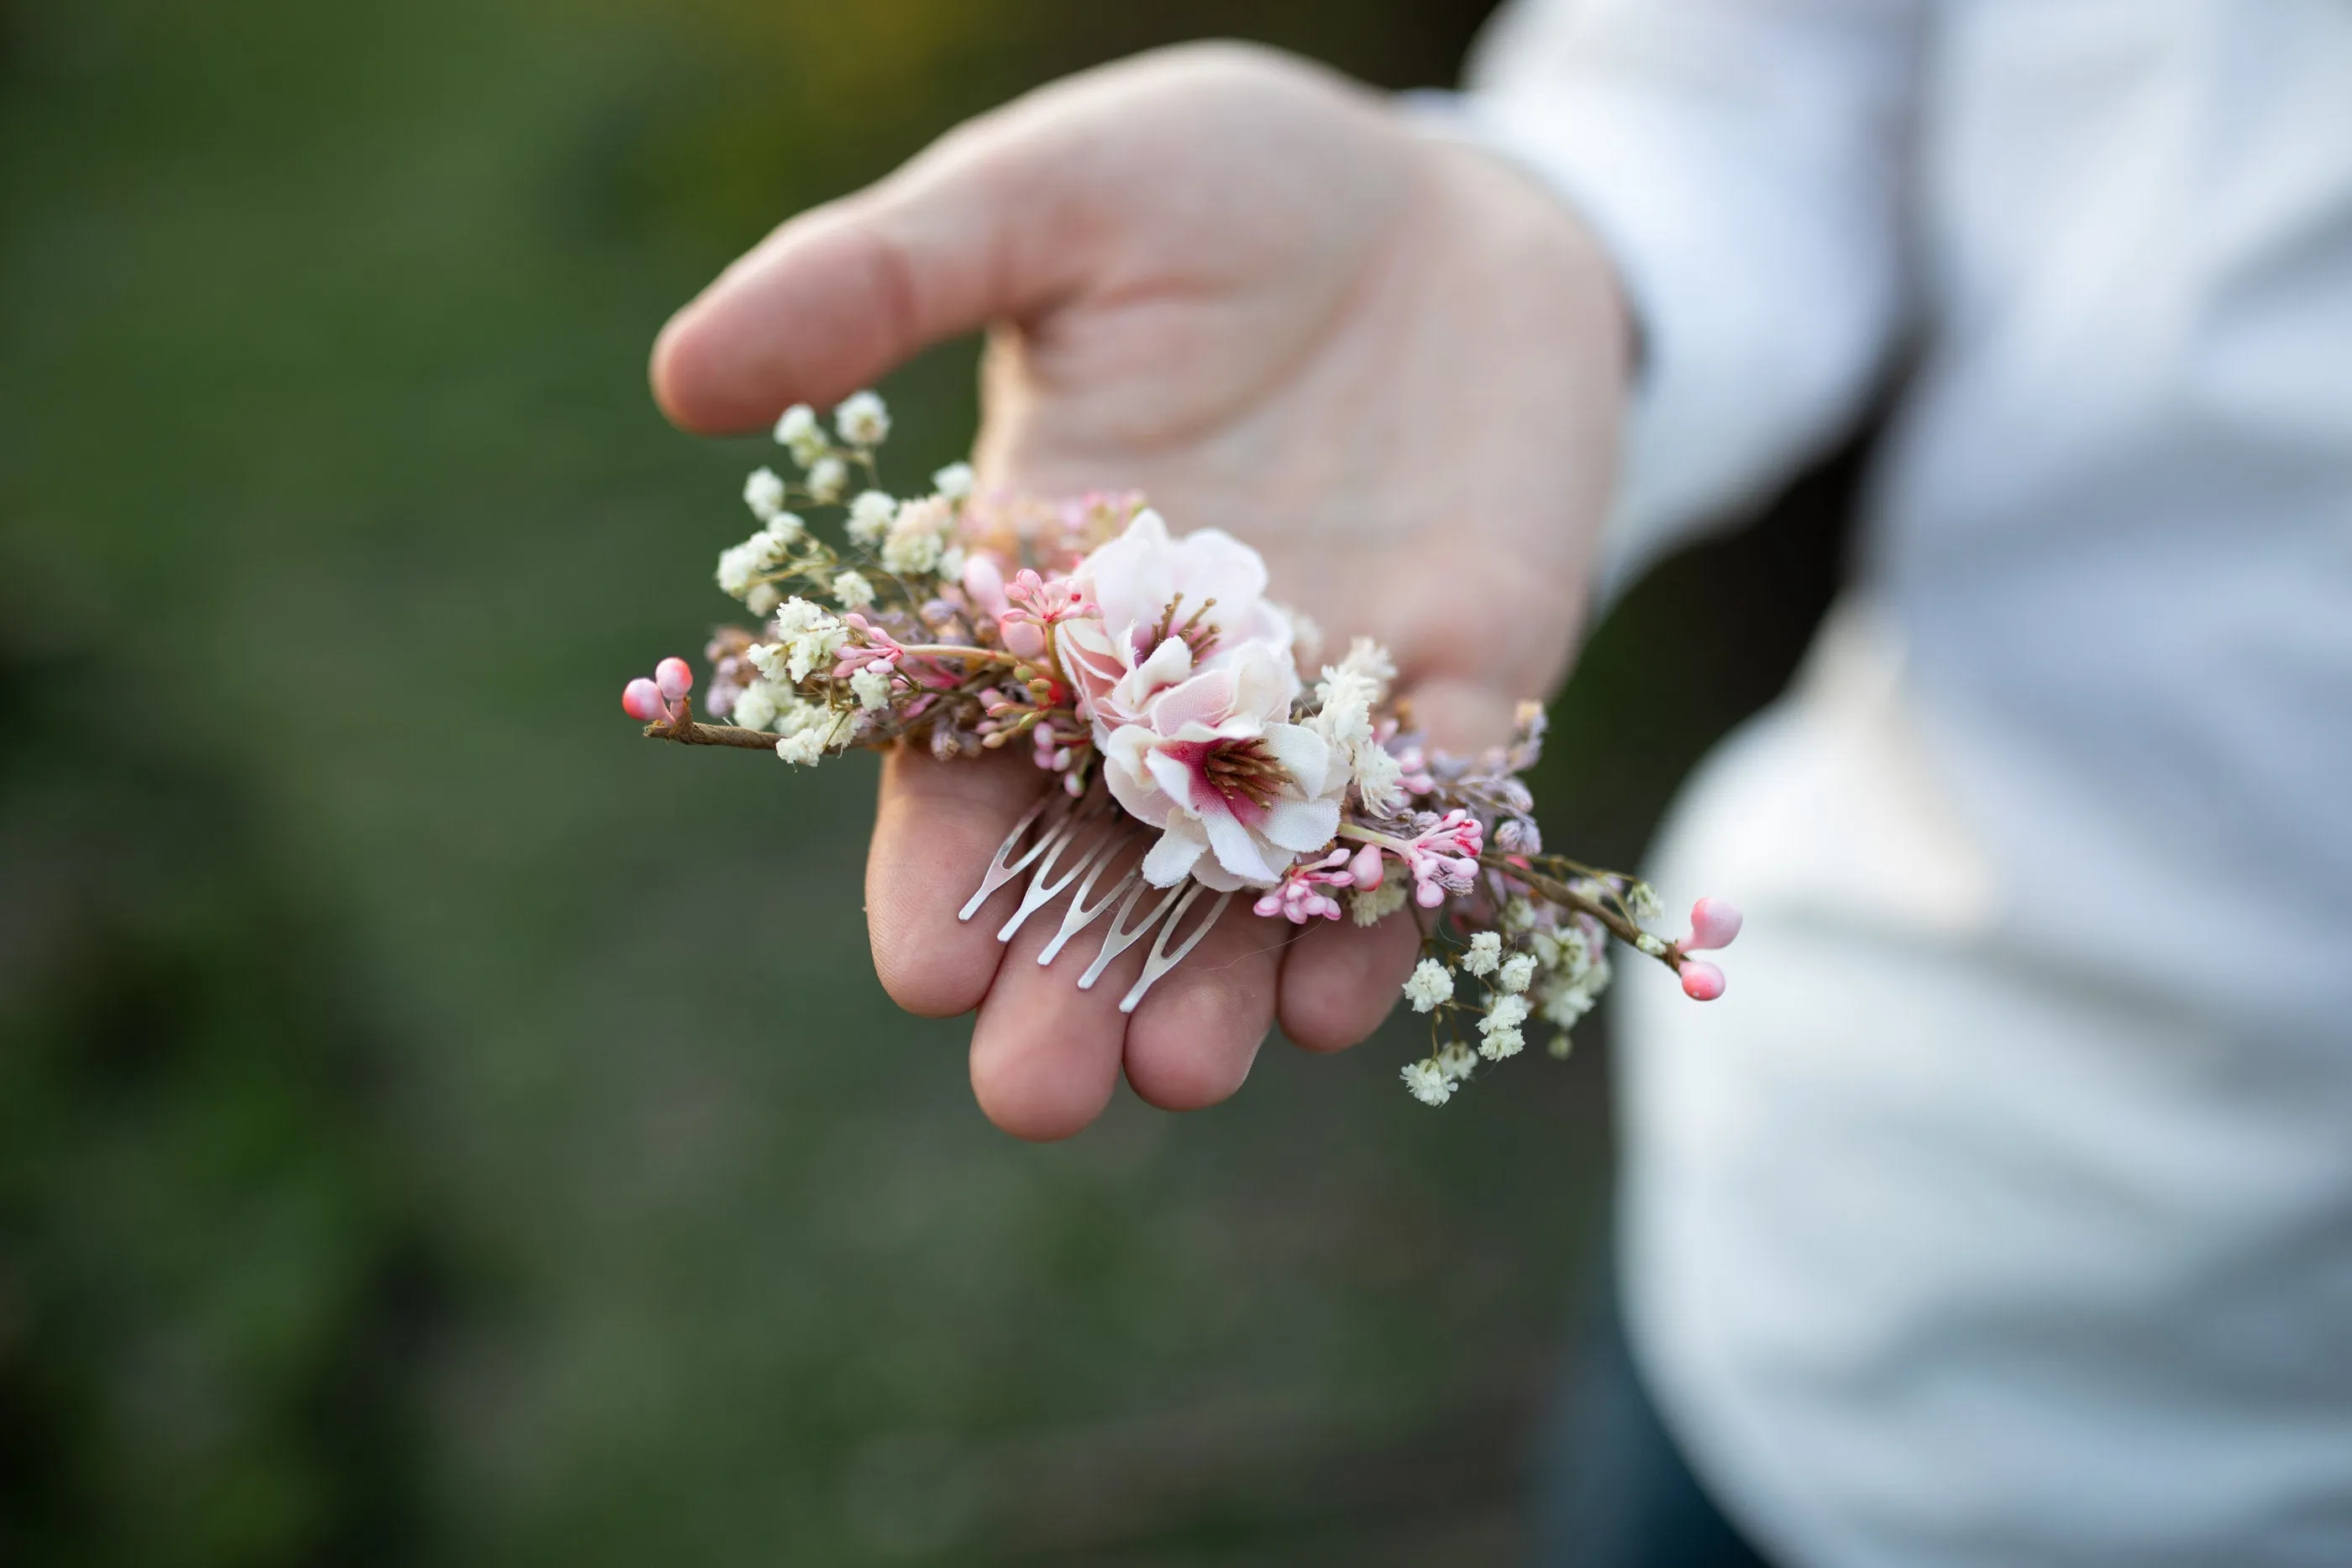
pixel 841 293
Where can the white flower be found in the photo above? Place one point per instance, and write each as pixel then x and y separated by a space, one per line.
pixel 869 517
pixel 873 689
pixel 1456 1060
pixel 952 563
pixel 808 636
pixel 764 492
pixel 1499 1029
pixel 1642 903
pixel 1368 661
pixel 1380 779
pixel 1564 1004
pixel 1430 983
pixel 1344 700
pixel 741 566
pixel 1371 905
pixel 1486 955
pixel 804 750
pixel 852 591
pixel 827 477
pixel 910 554
pixel 1519 971
pixel 1655 946
pixel 862 419
pixel 798 430
pixel 809 732
pixel 785 526
pixel 755 706
pixel 1426 1081
pixel 763 597
pixel 954 481
pixel 1560 1046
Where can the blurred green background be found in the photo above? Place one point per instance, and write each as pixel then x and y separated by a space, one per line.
pixel 435 1127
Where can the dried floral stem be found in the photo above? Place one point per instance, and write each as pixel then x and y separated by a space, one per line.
pixel 1560 893
pixel 687 732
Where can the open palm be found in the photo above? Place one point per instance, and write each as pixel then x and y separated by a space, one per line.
pixel 1245 288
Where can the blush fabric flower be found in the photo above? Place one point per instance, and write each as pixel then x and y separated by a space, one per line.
pixel 1238 791
pixel 1144 590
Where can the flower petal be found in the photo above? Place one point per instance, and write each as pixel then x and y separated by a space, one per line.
pixel 1238 849
pixel 1175 855
pixel 1300 825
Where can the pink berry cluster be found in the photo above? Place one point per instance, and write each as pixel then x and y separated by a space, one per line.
pixel 661 699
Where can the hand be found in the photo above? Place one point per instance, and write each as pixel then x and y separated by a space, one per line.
pixel 1239 284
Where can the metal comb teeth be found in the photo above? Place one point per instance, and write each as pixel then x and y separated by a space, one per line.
pixel 1059 842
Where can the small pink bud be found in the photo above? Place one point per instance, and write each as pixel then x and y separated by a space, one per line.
pixel 1365 870
pixel 642 700
pixel 1702 981
pixel 1270 904
pixel 1714 924
pixel 1023 639
pixel 675 677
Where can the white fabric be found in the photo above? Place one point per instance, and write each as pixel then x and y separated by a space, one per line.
pixel 2000 1214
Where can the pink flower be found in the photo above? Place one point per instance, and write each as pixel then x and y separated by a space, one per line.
pixel 1237 791
pixel 1445 858
pixel 1299 896
pixel 1035 605
pixel 1157 610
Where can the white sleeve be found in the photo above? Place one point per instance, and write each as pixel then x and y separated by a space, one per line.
pixel 1742 162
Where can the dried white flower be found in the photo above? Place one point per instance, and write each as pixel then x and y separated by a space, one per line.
pixel 1499 1029
pixel 804 750
pixel 1655 946
pixel 862 419
pixel 741 566
pixel 785 526
pixel 1367 659
pixel 954 481
pixel 1429 984
pixel 1456 1060
pixel 909 554
pixel 1426 1081
pixel 873 689
pixel 869 517
pixel 764 492
pixel 798 428
pixel 952 563
pixel 808 636
pixel 1485 955
pixel 755 708
pixel 1380 779
pixel 1642 903
pixel 1371 905
pixel 1558 1046
pixel 762 598
pixel 827 477
pixel 852 591
pixel 1518 972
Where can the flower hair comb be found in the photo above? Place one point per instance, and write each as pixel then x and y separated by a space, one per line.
pixel 1150 675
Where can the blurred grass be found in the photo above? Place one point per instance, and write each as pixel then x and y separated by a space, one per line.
pixel 328 476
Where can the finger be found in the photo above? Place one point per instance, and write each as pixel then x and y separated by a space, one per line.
pixel 1195 1034
pixel 1339 980
pixel 960 236
pixel 1044 1055
pixel 937 828
pixel 1461 716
